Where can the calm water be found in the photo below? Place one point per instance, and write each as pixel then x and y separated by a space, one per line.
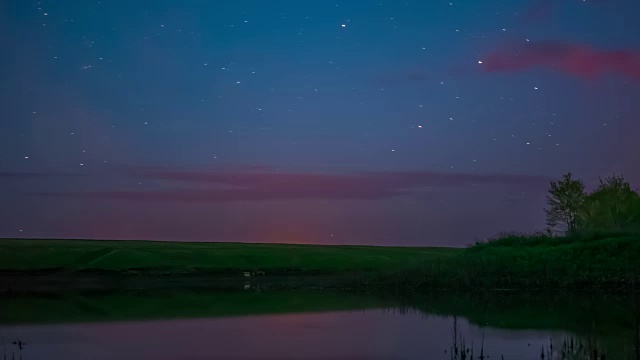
pixel 308 326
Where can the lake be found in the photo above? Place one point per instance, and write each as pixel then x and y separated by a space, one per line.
pixel 313 325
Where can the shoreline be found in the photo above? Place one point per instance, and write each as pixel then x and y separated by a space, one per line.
pixel 112 282
pixel 57 283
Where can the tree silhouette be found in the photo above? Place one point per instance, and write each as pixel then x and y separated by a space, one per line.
pixel 565 200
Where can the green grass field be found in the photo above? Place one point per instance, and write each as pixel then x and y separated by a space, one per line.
pixel 513 262
pixel 180 257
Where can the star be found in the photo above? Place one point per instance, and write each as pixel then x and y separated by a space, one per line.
pixel 183 81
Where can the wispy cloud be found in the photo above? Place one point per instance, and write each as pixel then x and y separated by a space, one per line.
pixel 261 186
pixel 575 59
pixel 30 175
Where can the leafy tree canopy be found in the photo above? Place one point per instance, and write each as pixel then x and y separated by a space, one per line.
pixel 614 205
pixel 565 201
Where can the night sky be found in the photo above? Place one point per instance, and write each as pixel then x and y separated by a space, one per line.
pixel 328 122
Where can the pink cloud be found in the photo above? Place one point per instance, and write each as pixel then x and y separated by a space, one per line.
pixel 32 175
pixel 229 186
pixel 578 60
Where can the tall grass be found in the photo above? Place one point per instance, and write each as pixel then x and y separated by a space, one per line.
pixel 516 261
pixel 572 348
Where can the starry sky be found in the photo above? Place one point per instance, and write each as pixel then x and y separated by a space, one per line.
pixel 327 122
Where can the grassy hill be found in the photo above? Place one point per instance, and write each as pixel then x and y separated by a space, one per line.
pixel 609 262
pixel 182 257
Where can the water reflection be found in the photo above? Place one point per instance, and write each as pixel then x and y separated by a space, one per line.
pixel 368 334
pixel 304 325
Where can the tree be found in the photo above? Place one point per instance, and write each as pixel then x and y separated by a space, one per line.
pixel 612 206
pixel 565 200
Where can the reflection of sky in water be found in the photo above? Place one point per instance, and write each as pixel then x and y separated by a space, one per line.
pixel 369 334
